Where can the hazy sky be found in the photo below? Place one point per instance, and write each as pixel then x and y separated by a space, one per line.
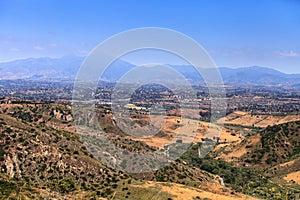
pixel 235 32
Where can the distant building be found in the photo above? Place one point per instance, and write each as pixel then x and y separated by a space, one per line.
pixel 5 101
pixel 134 107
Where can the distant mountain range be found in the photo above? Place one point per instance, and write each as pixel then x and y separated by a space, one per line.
pixel 66 68
pixel 41 68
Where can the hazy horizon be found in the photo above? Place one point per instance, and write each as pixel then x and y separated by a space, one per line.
pixel 142 63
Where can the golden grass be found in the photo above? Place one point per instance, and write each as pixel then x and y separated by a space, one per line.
pixel 188 193
pixel 295 176
pixel 246 119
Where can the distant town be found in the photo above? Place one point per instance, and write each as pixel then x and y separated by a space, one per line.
pixel 273 100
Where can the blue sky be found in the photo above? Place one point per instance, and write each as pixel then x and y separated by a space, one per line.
pixel 236 33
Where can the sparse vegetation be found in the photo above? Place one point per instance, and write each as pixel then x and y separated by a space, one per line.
pixel 247 180
pixel 40 149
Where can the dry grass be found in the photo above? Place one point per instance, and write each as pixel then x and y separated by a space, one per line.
pixel 188 130
pixel 188 193
pixel 246 119
pixel 237 149
pixel 295 176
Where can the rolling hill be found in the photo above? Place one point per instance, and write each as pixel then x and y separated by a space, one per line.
pixel 42 156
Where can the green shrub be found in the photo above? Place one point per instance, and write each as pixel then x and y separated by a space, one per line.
pixel 66 185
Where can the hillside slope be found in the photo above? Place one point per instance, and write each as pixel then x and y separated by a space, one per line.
pixel 41 156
